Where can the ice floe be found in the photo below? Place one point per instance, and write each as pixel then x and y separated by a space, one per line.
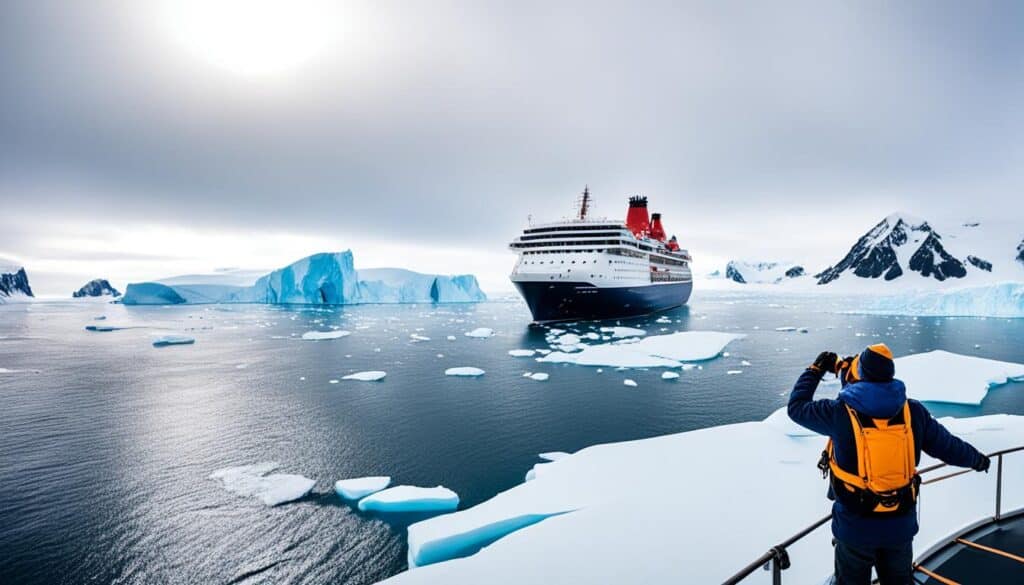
pixel 539 376
pixel 629 382
pixel 521 352
pixel 173 340
pixel 104 328
pixel 369 376
pixel 360 487
pixel 480 333
pixel 464 371
pixel 318 335
pixel 418 337
pixel 942 376
pixel 650 352
pixel 553 455
pixel 272 489
pixel 574 518
pixel 670 375
pixel 408 498
pixel 620 332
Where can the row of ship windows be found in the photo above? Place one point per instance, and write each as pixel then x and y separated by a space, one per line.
pixel 613 251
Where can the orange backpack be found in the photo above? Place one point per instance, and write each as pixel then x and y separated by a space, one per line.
pixel 886 481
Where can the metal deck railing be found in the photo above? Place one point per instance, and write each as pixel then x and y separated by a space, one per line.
pixel 777 558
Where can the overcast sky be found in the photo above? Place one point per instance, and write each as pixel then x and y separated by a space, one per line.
pixel 143 139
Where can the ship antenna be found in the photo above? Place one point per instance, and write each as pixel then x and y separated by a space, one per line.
pixel 584 203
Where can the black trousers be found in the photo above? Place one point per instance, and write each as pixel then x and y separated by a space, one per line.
pixel 854 562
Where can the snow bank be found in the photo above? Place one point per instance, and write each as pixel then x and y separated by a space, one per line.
pixel 650 352
pixel 370 376
pixel 464 371
pixel 941 376
pixel 551 529
pixel 997 300
pixel 407 498
pixel 360 487
pixel 318 335
pixel 173 340
pixel 253 480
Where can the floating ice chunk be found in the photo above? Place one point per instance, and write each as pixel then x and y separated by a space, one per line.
pixel 650 352
pixel 369 376
pixel 688 367
pixel 360 487
pixel 318 335
pixel 619 332
pixel 521 352
pixel 941 376
pixel 173 340
pixel 103 328
pixel 273 489
pixel 543 351
pixel 734 372
pixel 663 320
pixel 407 498
pixel 553 455
pixel 567 340
pixel 592 336
pixel 418 337
pixel 744 363
pixel 450 338
pixel 629 382
pixel 333 381
pixel 539 376
pixel 787 328
pixel 670 375
pixel 480 333
pixel 464 371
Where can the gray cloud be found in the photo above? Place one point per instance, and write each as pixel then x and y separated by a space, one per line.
pixel 449 122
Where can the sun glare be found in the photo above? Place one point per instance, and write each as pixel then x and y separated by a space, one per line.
pixel 251 37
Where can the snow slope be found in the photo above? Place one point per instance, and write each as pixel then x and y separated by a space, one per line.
pixel 327 278
pixel 13 282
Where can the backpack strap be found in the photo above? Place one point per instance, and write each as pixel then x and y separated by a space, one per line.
pixel 858 480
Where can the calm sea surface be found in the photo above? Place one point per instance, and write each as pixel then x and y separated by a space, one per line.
pixel 106 443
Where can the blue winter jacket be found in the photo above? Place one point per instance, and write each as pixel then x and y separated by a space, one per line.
pixel 877 400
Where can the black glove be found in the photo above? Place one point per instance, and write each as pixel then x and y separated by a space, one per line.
pixel 826 362
pixel 844 364
pixel 982 464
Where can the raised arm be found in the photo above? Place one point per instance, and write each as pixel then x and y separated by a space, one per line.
pixel 816 415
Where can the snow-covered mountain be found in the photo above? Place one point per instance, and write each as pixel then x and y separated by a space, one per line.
pixel 320 279
pixel 98 287
pixel 908 249
pixel 745 272
pixel 13 281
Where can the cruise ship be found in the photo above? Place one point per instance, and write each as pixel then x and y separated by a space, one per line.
pixel 585 268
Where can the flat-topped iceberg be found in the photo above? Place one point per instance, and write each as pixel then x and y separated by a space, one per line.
pixel 369 376
pixel 320 279
pixel 467 371
pixel 408 498
pixel 552 528
pixel 942 376
pixel 654 351
pixel 257 481
pixel 1005 299
pixel 360 487
pixel 319 335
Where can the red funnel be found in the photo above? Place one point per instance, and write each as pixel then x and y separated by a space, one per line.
pixel 657 232
pixel 637 219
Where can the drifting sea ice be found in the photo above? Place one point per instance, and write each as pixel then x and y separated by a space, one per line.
pixel 369 376
pixel 942 376
pixel 407 498
pixel 521 352
pixel 629 382
pixel 650 352
pixel 480 333
pixel 173 340
pixel 253 480
pixel 539 376
pixel 620 332
pixel 318 335
pixel 553 455
pixel 464 371
pixel 670 375
pixel 360 487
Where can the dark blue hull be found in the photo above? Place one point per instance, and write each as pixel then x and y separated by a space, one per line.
pixel 575 301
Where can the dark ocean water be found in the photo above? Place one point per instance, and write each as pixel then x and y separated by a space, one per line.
pixel 106 443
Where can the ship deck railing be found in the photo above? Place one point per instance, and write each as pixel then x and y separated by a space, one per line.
pixel 928 564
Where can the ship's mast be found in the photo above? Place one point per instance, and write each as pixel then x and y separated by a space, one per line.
pixel 583 204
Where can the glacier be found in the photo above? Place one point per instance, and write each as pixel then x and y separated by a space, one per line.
pixel 320 279
pixel 1004 299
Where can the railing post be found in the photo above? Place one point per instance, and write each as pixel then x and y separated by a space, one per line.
pixel 999 488
pixel 776 571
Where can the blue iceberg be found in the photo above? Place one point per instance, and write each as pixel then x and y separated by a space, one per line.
pixel 320 279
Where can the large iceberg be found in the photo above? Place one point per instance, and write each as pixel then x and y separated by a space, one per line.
pixel 658 526
pixel 320 279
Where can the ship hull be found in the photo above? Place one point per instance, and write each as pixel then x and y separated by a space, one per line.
pixel 574 301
